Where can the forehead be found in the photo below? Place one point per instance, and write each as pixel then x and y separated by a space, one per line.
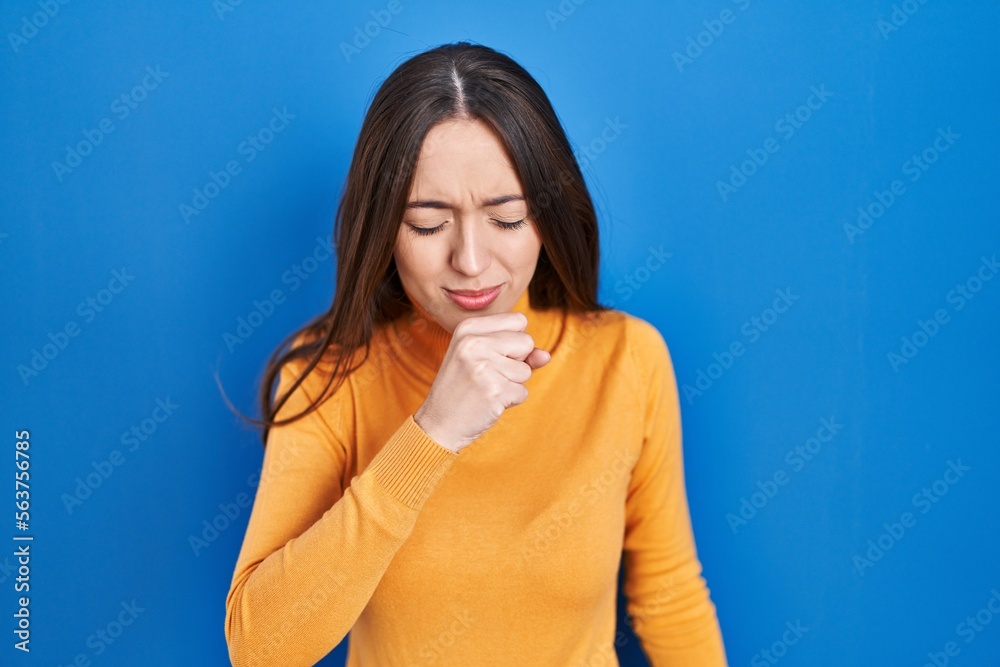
pixel 463 161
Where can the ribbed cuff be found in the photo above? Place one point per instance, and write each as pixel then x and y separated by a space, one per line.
pixel 411 464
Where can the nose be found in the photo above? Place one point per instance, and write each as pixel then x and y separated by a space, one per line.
pixel 471 253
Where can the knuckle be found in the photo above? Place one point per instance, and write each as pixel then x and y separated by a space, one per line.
pixel 461 328
pixel 479 367
pixel 494 393
pixel 466 346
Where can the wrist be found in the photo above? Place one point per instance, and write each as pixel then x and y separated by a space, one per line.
pixel 432 432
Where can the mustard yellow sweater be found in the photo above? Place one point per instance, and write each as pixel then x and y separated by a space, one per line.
pixel 506 553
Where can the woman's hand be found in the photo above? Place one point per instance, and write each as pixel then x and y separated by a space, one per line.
pixel 482 374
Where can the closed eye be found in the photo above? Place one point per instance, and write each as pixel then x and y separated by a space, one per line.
pixel 428 231
pixel 510 225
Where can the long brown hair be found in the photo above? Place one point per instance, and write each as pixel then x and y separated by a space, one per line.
pixel 457 80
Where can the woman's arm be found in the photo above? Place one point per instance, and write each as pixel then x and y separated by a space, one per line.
pixel 314 552
pixel 668 599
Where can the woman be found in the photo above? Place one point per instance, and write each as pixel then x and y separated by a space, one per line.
pixel 465 446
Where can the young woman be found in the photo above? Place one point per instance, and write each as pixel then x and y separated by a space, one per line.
pixel 463 449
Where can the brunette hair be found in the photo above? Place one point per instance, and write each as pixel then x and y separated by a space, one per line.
pixel 460 80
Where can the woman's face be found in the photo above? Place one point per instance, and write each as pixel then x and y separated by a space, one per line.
pixel 466 224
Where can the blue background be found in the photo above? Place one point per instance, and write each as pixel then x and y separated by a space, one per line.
pixel 683 126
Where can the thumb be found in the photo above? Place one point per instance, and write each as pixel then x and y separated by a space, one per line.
pixel 538 358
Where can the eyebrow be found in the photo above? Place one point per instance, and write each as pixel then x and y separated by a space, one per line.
pixel 433 203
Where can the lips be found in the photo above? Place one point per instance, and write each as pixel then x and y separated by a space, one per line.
pixel 474 299
pixel 470 292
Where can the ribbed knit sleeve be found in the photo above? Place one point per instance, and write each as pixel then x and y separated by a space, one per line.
pixel 668 599
pixel 314 552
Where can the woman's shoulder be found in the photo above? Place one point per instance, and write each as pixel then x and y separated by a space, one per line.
pixel 619 329
pixel 323 365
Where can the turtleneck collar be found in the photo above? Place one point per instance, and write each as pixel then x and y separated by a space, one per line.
pixel 420 343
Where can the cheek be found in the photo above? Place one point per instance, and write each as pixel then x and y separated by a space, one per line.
pixel 416 260
pixel 405 249
pixel 401 255
pixel 524 252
